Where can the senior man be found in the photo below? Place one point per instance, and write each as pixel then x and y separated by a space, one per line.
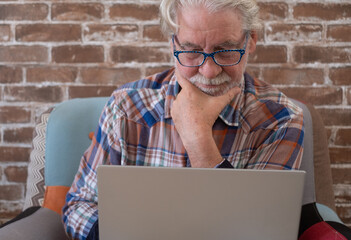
pixel 205 112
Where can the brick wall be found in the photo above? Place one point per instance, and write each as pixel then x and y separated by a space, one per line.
pixel 52 51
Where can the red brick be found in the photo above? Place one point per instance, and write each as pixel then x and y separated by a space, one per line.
pixel 90 91
pixel 11 192
pixel 340 33
pixel 122 54
pixel 293 76
pixel 77 11
pixel 18 135
pixel 134 11
pixel 273 10
pixel 115 76
pixel 154 70
pixel 12 114
pixel 51 74
pixel 16 174
pixel 343 137
pixel 269 54
pixel 23 11
pixel 342 193
pixel 14 154
pixel 294 32
pixel 9 210
pixel 111 32
pixel 311 54
pixel 315 96
pixel 10 74
pixel 33 94
pixel 340 76
pixel 23 54
pixel 340 155
pixel 253 71
pixel 341 175
pixel 336 116
pixel 320 11
pixel 5 33
pixel 261 36
pixel 344 213
pixel 78 54
pixel 154 33
pixel 48 32
pixel 348 95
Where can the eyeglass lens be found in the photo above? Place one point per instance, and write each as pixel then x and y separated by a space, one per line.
pixel 222 58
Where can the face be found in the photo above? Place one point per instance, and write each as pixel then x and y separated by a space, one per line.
pixel 207 32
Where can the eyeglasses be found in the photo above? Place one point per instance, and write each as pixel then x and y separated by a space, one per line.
pixel 197 58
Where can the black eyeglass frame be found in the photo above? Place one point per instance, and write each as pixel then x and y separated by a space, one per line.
pixel 206 55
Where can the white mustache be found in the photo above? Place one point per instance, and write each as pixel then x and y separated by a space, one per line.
pixel 218 80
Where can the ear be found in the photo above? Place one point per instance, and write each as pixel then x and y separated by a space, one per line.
pixel 252 42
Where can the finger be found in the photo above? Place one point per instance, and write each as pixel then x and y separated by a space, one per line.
pixel 233 92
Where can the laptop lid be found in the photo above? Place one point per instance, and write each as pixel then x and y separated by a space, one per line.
pixel 148 203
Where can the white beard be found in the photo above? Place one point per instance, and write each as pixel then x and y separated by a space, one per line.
pixel 220 84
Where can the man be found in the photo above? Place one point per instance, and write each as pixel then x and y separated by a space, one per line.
pixel 206 112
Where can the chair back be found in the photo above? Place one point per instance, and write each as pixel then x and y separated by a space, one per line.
pixel 309 194
pixel 67 138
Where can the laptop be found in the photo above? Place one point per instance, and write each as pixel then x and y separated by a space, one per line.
pixel 150 203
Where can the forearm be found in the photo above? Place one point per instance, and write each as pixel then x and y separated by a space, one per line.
pixel 80 211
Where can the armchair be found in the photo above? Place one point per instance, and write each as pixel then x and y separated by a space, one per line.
pixel 62 137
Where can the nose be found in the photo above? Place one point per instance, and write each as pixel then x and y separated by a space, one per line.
pixel 210 69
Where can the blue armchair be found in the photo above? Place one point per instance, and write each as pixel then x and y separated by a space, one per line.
pixel 61 137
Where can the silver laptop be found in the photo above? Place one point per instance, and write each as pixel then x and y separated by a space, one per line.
pixel 148 203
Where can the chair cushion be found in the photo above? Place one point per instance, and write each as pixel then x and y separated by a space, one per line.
pixel 318 222
pixel 327 214
pixel 35 181
pixel 322 231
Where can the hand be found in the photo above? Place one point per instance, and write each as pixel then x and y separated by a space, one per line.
pixel 194 113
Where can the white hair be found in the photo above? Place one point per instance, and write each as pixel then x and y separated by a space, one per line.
pixel 248 9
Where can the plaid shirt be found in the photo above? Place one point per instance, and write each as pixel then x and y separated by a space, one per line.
pixel 259 129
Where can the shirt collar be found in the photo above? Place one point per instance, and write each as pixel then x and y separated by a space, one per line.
pixel 232 112
pixel 230 115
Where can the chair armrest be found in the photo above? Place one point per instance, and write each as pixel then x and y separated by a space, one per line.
pixel 42 224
